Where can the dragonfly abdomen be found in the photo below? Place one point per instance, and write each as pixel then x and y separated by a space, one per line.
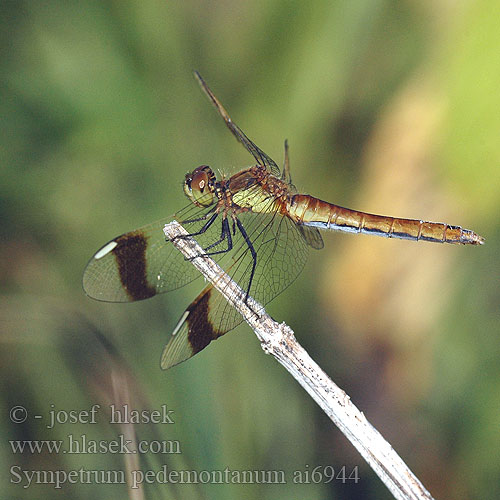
pixel 310 211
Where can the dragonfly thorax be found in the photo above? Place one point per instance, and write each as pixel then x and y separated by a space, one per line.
pixel 199 186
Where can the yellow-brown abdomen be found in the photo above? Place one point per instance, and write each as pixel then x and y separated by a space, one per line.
pixel 310 211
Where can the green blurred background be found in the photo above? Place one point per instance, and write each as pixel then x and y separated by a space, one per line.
pixel 389 106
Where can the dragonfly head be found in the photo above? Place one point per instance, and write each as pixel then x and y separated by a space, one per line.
pixel 199 186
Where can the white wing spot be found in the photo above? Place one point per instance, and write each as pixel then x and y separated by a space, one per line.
pixel 181 322
pixel 105 250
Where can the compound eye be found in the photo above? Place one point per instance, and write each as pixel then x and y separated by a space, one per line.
pixel 199 181
pixel 199 186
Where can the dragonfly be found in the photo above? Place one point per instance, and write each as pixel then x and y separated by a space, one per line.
pixel 255 225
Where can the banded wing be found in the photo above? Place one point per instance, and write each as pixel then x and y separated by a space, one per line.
pixel 135 266
pixel 255 151
pixel 195 329
pixel 281 255
pixel 140 264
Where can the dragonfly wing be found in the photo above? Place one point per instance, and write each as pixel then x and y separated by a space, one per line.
pixel 207 318
pixel 312 236
pixel 135 266
pixel 281 254
pixel 140 264
pixel 254 150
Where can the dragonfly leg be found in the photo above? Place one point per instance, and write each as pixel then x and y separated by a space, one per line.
pixel 198 219
pixel 252 251
pixel 203 229
pixel 226 234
